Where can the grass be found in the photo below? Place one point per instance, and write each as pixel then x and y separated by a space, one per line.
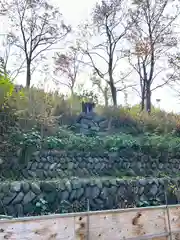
pixel 40 106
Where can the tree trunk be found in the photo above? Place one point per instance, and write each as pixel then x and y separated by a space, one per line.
pixel 148 98
pixel 111 82
pixel 143 97
pixel 72 91
pixel 113 93
pixel 142 104
pixel 28 74
pixel 106 97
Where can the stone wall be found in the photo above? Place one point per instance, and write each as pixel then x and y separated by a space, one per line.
pixel 56 164
pixel 29 198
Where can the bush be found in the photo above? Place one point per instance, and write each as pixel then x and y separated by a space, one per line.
pixel 66 140
pixel 6 89
pixel 158 122
pixel 40 106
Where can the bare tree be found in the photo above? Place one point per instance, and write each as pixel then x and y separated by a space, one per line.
pixel 37 27
pixel 6 54
pixel 174 64
pixel 102 86
pixel 110 26
pixel 68 65
pixel 151 39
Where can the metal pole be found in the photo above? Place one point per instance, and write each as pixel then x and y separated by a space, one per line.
pixel 88 210
pixel 168 214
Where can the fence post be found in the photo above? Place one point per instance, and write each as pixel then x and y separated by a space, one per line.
pixel 42 128
pixel 88 210
pixel 168 215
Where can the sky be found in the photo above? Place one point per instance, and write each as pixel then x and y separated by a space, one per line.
pixel 75 12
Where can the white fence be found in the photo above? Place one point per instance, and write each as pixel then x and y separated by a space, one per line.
pixel 155 223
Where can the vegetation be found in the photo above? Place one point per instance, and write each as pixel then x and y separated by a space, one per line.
pixel 6 89
pixel 118 51
pixel 36 104
pixel 66 140
pixel 158 131
pixel 159 134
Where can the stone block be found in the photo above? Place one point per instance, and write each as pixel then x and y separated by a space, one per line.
pixel 15 187
pixel 18 198
pixel 29 197
pixel 35 188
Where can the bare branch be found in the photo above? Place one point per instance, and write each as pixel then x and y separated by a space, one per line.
pixel 68 64
pixel 152 38
pixel 124 77
pixel 111 24
pixel 41 27
pixel 166 82
pixel 17 71
pixel 125 87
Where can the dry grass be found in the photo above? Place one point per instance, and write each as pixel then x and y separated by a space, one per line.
pixel 38 106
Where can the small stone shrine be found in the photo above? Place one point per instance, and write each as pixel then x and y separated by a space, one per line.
pixel 88 122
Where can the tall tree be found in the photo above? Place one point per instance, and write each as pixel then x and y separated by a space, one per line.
pixel 110 26
pixel 102 86
pixel 37 26
pixel 151 39
pixel 68 65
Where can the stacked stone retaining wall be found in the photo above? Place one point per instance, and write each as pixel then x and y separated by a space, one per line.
pixel 22 198
pixel 60 164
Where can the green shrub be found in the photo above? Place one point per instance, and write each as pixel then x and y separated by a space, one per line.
pixel 66 140
pixel 6 90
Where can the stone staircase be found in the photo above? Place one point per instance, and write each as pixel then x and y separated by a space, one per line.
pixel 91 123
